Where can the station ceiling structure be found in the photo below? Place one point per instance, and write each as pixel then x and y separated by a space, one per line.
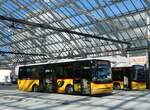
pixel 39 30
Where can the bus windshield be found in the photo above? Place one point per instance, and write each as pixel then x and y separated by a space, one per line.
pixel 102 73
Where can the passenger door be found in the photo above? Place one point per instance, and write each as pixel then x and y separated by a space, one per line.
pixel 127 78
pixel 49 81
pixel 86 86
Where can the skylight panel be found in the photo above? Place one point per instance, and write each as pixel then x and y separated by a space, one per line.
pixel 65 24
pixel 115 10
pixel 93 3
pixel 64 11
pixel 97 15
pixel 129 5
pixel 84 4
pixel 122 8
pixel 137 4
pixel 75 21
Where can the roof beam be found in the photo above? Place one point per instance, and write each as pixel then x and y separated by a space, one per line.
pixel 32 54
pixel 116 52
pixel 46 26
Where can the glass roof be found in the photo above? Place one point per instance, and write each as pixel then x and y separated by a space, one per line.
pixel 109 20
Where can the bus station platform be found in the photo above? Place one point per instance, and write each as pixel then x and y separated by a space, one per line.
pixel 12 99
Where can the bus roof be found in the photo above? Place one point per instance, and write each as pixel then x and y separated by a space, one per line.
pixel 126 64
pixel 73 60
pixel 63 61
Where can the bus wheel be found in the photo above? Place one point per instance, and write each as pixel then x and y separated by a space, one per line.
pixel 35 88
pixel 116 86
pixel 69 89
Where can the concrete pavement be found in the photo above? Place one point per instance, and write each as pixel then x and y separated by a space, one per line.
pixel 12 99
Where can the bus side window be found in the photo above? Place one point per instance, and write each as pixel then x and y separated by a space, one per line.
pixel 21 73
pixel 28 73
pixel 66 72
pixel 35 72
pixel 76 72
pixel 41 71
pixel 59 71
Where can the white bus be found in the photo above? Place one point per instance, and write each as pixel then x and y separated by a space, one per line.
pixel 5 77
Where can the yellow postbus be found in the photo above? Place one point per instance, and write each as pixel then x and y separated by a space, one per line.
pixel 84 76
pixel 129 77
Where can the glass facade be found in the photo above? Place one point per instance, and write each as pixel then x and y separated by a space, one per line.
pixel 120 20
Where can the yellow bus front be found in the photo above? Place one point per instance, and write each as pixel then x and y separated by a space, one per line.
pixel 101 88
pixel 101 78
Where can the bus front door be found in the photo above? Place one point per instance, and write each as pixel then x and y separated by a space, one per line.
pixel 50 83
pixel 127 79
pixel 86 87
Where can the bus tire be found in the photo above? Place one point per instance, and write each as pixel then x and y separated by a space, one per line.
pixel 69 89
pixel 116 86
pixel 35 88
